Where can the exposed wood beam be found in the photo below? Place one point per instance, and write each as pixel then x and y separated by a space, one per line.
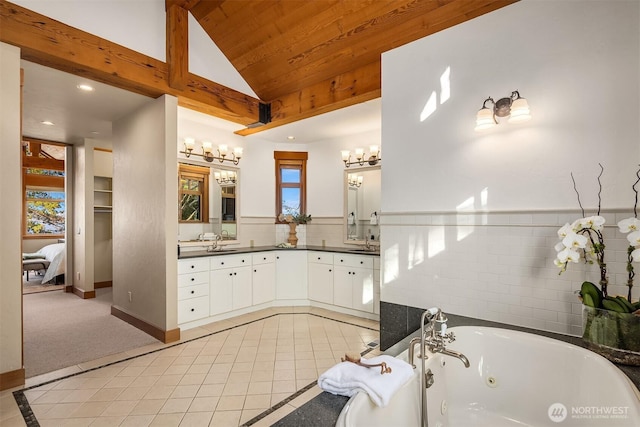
pixel 185 4
pixel 42 163
pixel 177 46
pixel 341 91
pixel 50 43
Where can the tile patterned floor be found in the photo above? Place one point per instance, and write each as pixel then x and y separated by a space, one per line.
pixel 249 370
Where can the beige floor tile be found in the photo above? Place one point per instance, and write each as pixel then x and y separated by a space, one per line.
pixel 239 377
pixel 305 397
pixel 53 396
pixel 137 421
pixel 242 367
pixel 107 422
pixel 79 395
pixel 40 410
pixel 169 380
pixel 289 374
pixel 131 371
pixel 208 390
pixel 258 401
pixel 173 406
pixel 145 381
pixel 72 383
pixel 193 379
pixel 196 419
pixel 230 403
pixel 176 370
pixel 285 365
pixel 154 370
pixel 306 374
pixel 62 410
pixel 183 391
pixel 285 357
pixel 204 404
pixel 225 418
pixel 119 382
pixel 89 409
pixel 261 387
pixel 288 386
pixel 106 394
pixel 166 420
pixel 235 389
pixel 133 393
pixel 160 392
pixel 275 416
pixel 148 407
pixel 261 376
pixel 119 408
pixel 14 421
pixel 249 414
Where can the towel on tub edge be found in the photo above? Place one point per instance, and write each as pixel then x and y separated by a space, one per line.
pixel 347 378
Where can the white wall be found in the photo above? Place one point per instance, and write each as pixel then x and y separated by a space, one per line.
pixel 145 211
pixel 10 257
pixel 471 218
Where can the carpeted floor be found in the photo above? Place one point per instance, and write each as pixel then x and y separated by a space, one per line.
pixel 34 285
pixel 62 330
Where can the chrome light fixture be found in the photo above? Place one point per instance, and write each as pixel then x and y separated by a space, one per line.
pixel 355 180
pixel 361 158
pixel 225 177
pixel 207 152
pixel 514 106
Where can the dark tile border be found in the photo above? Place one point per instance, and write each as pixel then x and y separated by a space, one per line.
pixel 30 418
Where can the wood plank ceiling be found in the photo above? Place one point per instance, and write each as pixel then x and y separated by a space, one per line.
pixel 305 57
pixel 301 57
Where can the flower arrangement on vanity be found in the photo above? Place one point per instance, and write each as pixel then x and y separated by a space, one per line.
pixel 611 323
pixel 293 220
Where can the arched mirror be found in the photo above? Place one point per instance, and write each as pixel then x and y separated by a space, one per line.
pixel 362 205
pixel 207 203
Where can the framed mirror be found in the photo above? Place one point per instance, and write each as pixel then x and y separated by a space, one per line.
pixel 362 205
pixel 207 202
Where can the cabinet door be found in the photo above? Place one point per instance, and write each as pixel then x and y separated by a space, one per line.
pixel 241 288
pixel 321 282
pixel 291 275
pixel 264 283
pixel 342 286
pixel 362 281
pixel 221 291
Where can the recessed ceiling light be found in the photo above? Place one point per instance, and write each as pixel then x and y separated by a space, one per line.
pixel 47 122
pixel 85 87
pixel 291 137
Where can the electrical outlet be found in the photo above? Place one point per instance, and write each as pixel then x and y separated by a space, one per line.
pixel 129 296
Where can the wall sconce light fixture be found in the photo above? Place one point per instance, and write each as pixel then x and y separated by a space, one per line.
pixel 354 180
pixel 514 106
pixel 225 177
pixel 361 158
pixel 207 152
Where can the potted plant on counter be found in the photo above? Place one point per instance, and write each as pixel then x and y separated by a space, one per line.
pixel 293 220
pixel 611 322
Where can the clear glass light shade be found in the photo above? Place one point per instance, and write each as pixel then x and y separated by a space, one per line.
pixel 207 146
pixel 224 150
pixel 359 153
pixel 237 152
pixel 189 143
pixel 345 155
pixel 519 111
pixel 360 179
pixel 484 119
pixel 373 150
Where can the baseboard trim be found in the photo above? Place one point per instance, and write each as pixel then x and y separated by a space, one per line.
pixel 11 379
pixel 105 284
pixel 166 337
pixel 84 294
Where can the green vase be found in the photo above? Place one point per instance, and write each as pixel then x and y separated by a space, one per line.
pixel 615 336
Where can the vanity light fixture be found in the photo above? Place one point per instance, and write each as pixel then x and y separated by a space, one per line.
pixel 361 158
pixel 225 177
pixel 514 106
pixel 354 180
pixel 207 152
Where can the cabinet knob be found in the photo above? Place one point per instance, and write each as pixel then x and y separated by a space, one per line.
pixel 242 260
pixel 193 309
pixel 318 257
pixel 264 258
pixel 193 266
pixel 329 270
pixel 235 274
pixel 193 292
pixel 277 257
pixel 192 279
pixel 349 273
pixel 230 274
pixel 341 260
pixel 222 263
pixel 361 262
pixel 255 271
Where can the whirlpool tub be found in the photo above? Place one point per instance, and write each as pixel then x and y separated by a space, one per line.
pixel 515 379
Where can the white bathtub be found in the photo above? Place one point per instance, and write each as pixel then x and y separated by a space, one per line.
pixel 515 379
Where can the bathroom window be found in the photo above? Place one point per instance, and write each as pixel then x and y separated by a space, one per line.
pixel 291 180
pixel 194 194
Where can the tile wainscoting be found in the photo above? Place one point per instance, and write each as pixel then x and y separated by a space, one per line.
pixel 491 266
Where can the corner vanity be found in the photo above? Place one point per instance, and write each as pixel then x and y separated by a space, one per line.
pixel 214 286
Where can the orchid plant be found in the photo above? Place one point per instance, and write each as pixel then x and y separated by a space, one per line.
pixel 584 239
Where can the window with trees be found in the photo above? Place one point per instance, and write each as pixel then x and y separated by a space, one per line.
pixel 291 182
pixel 194 193
pixel 43 189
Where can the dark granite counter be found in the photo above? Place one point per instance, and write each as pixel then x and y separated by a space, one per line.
pixel 324 409
pixel 356 250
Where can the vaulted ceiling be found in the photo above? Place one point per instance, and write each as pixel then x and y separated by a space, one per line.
pixel 301 57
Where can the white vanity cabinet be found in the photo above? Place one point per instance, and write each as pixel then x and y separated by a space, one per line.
pixel 230 283
pixel 193 289
pixel 291 275
pixel 353 285
pixel 263 277
pixel 320 265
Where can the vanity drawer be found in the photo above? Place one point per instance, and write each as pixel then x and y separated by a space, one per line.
pixel 190 279
pixel 230 261
pixel 353 260
pixel 193 309
pixel 194 291
pixel 320 257
pixel 193 265
pixel 263 258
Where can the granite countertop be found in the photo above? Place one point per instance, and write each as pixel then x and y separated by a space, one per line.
pixel 324 409
pixel 246 250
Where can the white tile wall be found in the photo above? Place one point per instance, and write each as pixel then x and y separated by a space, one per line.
pixel 264 232
pixel 493 266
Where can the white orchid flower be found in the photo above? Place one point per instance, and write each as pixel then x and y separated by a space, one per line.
pixel 568 255
pixel 629 224
pixel 635 255
pixel 634 238
pixel 567 228
pixel 577 225
pixel 593 222
pixel 573 240
pixel 560 264
pixel 559 246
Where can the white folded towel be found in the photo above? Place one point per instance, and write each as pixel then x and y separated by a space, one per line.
pixel 347 378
